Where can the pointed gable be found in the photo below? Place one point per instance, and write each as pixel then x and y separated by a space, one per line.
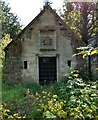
pixel 52 17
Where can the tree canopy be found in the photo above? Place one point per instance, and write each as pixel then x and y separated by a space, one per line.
pixel 10 21
pixel 82 17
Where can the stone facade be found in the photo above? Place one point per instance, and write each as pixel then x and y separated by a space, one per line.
pixel 46 36
pixel 94 58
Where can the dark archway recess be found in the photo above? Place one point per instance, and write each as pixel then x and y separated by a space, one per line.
pixel 47 70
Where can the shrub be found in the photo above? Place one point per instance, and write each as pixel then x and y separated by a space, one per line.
pixel 6 114
pixel 34 87
pixel 81 97
pixel 71 98
pixel 50 106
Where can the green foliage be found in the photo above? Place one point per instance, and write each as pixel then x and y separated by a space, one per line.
pixel 10 93
pixel 10 28
pixel 10 22
pixel 54 108
pixel 3 43
pixel 36 114
pixel 81 97
pixel 33 87
pixel 20 98
pixel 6 114
pixel 73 99
pixel 86 51
pixel 82 17
pixel 48 115
pixel 49 106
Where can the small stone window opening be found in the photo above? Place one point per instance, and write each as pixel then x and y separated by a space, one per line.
pixel 69 63
pixel 25 64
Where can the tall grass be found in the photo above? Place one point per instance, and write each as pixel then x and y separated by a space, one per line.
pixel 15 97
pixel 10 93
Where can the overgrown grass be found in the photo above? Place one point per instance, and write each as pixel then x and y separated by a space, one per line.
pixel 33 87
pixel 10 93
pixel 16 100
pixel 73 92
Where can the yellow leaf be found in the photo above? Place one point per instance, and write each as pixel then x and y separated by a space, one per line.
pixel 93 52
pixel 96 69
pixel 84 55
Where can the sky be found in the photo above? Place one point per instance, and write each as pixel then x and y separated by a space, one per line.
pixel 26 10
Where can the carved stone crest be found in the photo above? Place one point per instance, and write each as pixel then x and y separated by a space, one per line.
pixel 47 40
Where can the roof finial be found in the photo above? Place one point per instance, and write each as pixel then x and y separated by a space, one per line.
pixel 47 3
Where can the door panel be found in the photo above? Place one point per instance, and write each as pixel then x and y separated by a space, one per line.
pixel 47 70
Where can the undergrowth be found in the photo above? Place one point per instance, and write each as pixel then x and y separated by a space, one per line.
pixel 71 98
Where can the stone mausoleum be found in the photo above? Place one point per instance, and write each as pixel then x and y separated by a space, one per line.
pixel 42 51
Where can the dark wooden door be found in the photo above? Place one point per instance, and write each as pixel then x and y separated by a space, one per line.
pixel 47 70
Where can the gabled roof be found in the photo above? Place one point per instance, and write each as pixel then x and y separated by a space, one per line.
pixel 36 18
